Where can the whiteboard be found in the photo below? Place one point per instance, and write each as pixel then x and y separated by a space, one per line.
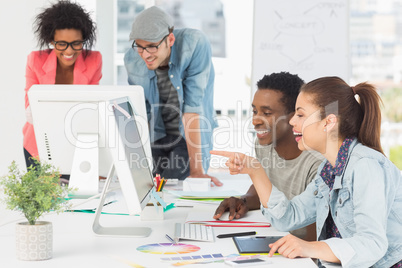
pixel 309 38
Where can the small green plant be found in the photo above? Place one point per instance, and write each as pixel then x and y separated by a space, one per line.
pixel 34 192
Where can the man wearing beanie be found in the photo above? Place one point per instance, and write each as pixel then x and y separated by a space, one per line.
pixel 175 69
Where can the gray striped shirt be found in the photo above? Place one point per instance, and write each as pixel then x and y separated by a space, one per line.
pixel 169 102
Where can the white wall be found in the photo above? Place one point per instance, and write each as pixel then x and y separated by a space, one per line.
pixel 16 19
pixel 17 41
pixel 106 38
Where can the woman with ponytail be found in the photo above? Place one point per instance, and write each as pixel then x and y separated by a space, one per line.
pixel 356 196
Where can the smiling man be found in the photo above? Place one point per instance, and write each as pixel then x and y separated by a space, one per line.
pixel 288 168
pixel 175 69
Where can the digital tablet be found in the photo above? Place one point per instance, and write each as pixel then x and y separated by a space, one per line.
pixel 247 262
pixel 254 244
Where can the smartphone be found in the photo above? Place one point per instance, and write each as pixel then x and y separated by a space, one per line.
pixel 247 262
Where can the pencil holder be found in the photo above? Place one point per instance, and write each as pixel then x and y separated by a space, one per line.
pixel 152 213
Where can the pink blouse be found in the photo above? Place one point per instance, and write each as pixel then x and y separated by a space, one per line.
pixel 41 69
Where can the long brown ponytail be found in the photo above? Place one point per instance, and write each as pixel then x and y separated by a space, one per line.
pixel 357 119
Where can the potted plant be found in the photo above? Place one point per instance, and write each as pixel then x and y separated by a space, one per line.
pixel 34 193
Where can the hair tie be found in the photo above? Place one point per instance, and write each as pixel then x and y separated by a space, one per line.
pixel 354 91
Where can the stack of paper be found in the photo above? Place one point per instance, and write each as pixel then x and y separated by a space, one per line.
pixel 251 219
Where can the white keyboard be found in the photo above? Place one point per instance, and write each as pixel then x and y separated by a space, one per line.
pixel 198 232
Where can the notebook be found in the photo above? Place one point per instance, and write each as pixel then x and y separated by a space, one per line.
pixel 254 244
pixel 251 219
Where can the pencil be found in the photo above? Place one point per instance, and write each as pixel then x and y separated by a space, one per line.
pixel 163 184
pixel 160 185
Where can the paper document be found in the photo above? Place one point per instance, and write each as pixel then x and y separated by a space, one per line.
pixel 252 219
pixel 194 202
pixel 200 195
pixel 112 204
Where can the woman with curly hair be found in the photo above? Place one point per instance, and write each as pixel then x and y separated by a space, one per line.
pixel 66 34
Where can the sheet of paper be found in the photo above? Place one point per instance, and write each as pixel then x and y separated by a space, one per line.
pixel 210 194
pixel 83 204
pixel 194 202
pixel 113 204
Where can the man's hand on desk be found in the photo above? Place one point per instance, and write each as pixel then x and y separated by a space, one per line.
pixel 236 206
pixel 214 181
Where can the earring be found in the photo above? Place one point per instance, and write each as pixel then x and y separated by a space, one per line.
pixel 325 130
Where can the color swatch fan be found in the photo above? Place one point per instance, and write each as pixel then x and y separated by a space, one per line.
pixel 168 248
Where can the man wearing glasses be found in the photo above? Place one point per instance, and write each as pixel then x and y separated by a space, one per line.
pixel 175 69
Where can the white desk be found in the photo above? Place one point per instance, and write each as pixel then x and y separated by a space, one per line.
pixel 75 245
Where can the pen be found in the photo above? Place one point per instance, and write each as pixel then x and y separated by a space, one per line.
pixel 235 234
pixel 170 239
pixel 108 203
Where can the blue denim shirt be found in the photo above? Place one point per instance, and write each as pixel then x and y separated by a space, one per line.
pixel 192 74
pixel 365 203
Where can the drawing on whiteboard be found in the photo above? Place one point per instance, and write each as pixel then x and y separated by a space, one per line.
pixel 308 37
pixel 304 25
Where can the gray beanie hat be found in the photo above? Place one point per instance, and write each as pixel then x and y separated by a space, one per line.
pixel 151 25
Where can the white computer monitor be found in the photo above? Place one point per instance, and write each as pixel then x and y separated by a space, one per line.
pixel 123 138
pixel 128 154
pixel 69 133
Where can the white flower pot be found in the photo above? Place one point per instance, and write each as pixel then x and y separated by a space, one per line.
pixel 34 242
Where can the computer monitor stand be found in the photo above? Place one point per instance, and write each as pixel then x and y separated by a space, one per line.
pixel 84 175
pixel 115 231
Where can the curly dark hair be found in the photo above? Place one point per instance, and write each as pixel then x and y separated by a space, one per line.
pixel 288 84
pixel 64 15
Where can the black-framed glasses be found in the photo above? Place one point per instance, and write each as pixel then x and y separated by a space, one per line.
pixel 63 45
pixel 150 49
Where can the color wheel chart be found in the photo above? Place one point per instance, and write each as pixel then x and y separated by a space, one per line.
pixel 167 248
